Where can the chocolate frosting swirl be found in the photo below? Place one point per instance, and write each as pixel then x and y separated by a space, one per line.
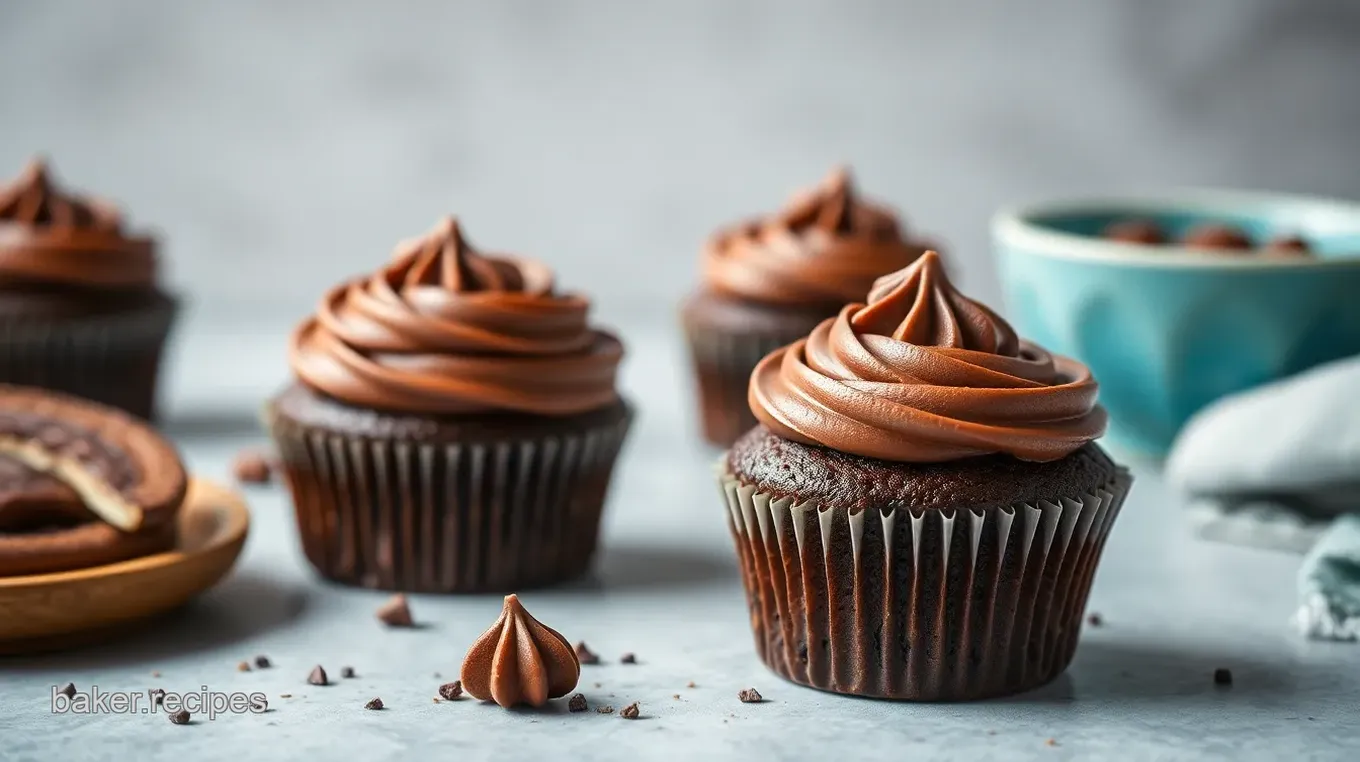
pixel 923 374
pixel 825 247
pixel 51 237
pixel 445 329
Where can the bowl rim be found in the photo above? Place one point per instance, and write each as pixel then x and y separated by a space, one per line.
pixel 1012 225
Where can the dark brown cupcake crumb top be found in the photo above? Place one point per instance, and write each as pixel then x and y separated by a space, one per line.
pixel 785 468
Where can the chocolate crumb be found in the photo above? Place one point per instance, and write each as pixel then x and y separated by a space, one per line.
pixel 437 675
pixel 347 672
pixel 628 658
pixel 1095 619
pixel 154 673
pixel 451 691
pixel 1052 742
pixel 285 695
pixel 180 718
pixel 630 712
pixel 396 612
pixel 243 667
pixel 436 699
pixel 597 685
pixel 577 703
pixel 1222 676
pixel 251 467
pixel 606 709
pixel 691 684
pixel 262 662
pixel 585 655
pixel 157 696
pixel 374 704
pixel 750 696
pixel 675 696
pixel 318 676
pixel 68 690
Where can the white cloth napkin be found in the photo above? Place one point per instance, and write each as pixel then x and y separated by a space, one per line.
pixel 1280 466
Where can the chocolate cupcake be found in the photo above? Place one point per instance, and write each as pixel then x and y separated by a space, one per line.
pixel 454 424
pixel 81 484
pixel 80 309
pixel 920 511
pixel 767 282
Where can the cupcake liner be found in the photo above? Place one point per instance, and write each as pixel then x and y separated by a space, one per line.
pixel 478 516
pixel 945 605
pixel 112 359
pixel 723 363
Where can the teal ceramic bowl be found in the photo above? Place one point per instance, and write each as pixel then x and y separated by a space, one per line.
pixel 1167 330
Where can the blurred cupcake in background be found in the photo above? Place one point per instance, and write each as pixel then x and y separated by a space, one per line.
pixel 920 513
pixel 454 424
pixel 80 308
pixel 768 282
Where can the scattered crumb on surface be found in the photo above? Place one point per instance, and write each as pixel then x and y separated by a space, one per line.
pixel 628 658
pixel 252 467
pixel 1095 619
pixel 1223 676
pixel 374 704
pixel 585 655
pixel 631 712
pixel 577 703
pixel 243 667
pixel 750 696
pixel 1051 742
pixel 451 691
pixel 285 695
pixel 606 709
pixel 691 684
pixel 396 612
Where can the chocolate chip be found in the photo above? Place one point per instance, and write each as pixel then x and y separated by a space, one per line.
pixel 374 704
pixel 157 696
pixel 750 696
pixel 585 655
pixel 1094 619
pixel 68 690
pixel 577 703
pixel 1222 676
pixel 630 712
pixel 606 709
pixel 1216 236
pixel 318 676
pixel 1135 231
pixel 243 667
pixel 262 662
pixel 251 467
pixel 1288 246
pixel 347 672
pixel 396 612
pixel 628 658
pixel 180 718
pixel 451 691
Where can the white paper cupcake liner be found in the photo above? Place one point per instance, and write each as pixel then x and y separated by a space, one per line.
pixel 489 516
pixel 944 605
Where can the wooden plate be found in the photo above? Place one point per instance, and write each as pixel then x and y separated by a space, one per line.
pixel 43 612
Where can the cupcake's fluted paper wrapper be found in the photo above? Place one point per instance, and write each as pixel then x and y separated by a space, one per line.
pixel 723 363
pixel 112 359
pixel 487 516
pixel 940 606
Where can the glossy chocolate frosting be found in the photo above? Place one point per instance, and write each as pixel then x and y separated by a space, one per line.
pixel 445 329
pixel 826 247
pixel 53 238
pixel 519 661
pixel 924 374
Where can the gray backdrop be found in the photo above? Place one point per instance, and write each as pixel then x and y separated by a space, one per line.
pixel 281 146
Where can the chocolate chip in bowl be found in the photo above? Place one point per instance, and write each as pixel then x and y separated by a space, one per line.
pixel 1217 236
pixel 1135 231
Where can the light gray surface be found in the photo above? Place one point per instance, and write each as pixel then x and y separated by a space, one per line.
pixel 1141 689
